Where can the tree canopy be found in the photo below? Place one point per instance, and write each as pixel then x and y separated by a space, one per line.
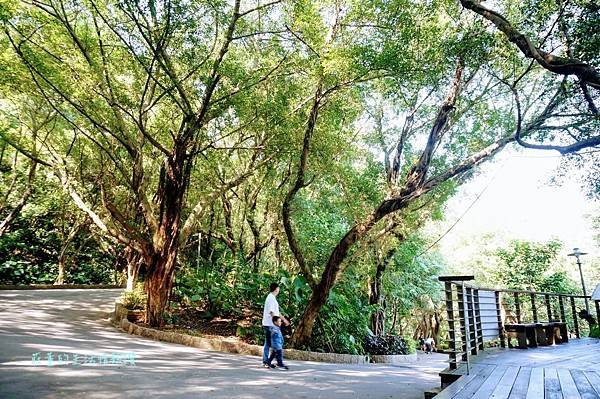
pixel 305 139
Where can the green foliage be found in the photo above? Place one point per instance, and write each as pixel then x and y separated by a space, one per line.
pixel 527 266
pixel 585 19
pixel 23 272
pixel 386 345
pixel 343 323
pixel 134 299
pixel 411 280
pixel 236 290
pixel 559 282
pixel 29 252
pixel 595 331
pixel 122 107
pixel 31 247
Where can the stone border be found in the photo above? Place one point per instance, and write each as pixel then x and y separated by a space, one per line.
pixel 57 287
pixel 395 359
pixel 119 320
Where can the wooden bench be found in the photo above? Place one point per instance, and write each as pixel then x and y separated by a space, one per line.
pixel 533 334
pixel 555 332
pixel 526 334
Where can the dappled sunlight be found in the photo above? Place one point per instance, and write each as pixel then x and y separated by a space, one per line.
pixel 69 322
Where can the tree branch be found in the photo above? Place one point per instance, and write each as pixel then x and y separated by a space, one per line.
pixel 555 64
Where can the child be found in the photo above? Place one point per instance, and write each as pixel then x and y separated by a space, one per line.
pixel 277 344
pixel 429 345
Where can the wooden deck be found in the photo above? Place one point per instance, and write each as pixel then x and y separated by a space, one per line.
pixel 566 371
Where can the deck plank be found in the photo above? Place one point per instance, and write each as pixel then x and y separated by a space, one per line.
pixel 458 385
pixel 488 387
pixel 565 371
pixel 505 385
pixel 535 390
pixel 594 379
pixel 469 390
pixel 551 384
pixel 583 385
pixel 519 389
pixel 567 385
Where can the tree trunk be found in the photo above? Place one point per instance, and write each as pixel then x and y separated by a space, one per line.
pixel 133 270
pixel 329 278
pixel 60 279
pixel 375 298
pixel 394 315
pixel 416 185
pixel 134 263
pixel 158 286
pixel 436 328
pixel 162 259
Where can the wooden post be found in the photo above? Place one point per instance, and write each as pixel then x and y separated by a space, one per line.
pixel 561 307
pixel 466 326
pixel 451 326
pixel 499 314
pixel 548 307
pixel 463 320
pixel 470 302
pixel 598 311
pixel 574 312
pixel 478 324
pixel 534 308
pixel 518 307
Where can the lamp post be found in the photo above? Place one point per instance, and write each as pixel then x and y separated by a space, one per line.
pixel 577 253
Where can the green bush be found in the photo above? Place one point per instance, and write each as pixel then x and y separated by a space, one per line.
pixel 29 252
pixel 134 299
pixel 342 324
pixel 386 345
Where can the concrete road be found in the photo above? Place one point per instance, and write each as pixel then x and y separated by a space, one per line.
pixel 59 344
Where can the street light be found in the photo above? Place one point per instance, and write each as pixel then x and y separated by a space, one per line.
pixel 577 253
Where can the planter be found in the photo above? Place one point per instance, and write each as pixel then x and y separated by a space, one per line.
pixel 394 359
pixel 136 316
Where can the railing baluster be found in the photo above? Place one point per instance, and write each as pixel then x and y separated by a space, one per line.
pixel 471 319
pixel 548 307
pixel 561 307
pixel 451 326
pixel 574 313
pixel 478 324
pixel 499 314
pixel 518 307
pixel 534 308
pixel 463 321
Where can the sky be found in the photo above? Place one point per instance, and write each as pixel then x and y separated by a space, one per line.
pixel 517 200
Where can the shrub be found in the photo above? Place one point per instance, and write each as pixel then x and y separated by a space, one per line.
pixel 386 345
pixel 595 331
pixel 134 299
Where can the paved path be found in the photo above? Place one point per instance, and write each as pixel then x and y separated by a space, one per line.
pixel 74 322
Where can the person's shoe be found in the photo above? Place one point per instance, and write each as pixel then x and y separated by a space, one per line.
pixel 284 367
pixel 272 366
pixel 266 365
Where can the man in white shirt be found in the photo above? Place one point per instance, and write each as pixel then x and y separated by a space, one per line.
pixel 271 309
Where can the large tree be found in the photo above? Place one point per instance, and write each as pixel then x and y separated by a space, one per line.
pixel 142 90
pixel 468 126
pixel 173 119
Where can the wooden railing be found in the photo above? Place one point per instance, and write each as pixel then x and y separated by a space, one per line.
pixel 470 323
